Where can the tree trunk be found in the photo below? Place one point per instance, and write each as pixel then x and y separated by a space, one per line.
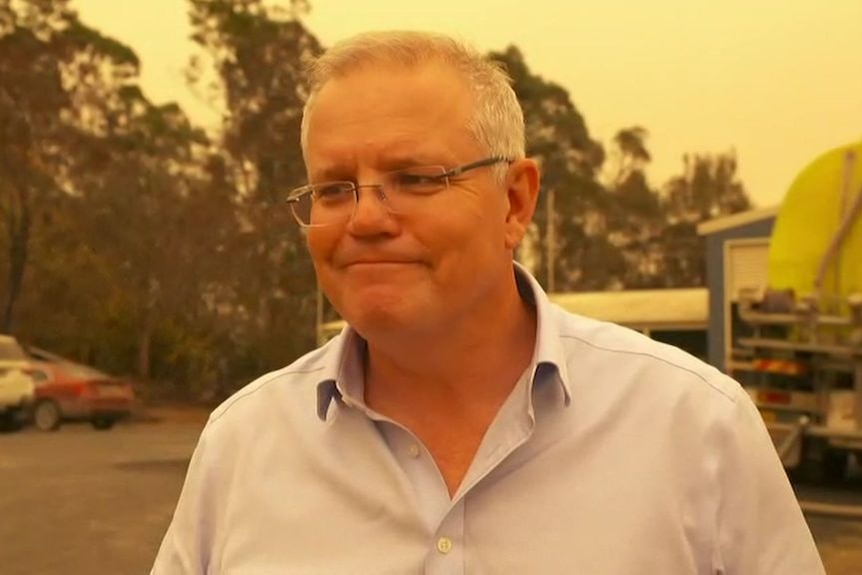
pixel 144 339
pixel 19 240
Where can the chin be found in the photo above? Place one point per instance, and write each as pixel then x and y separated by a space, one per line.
pixel 387 302
pixel 369 315
pixel 370 325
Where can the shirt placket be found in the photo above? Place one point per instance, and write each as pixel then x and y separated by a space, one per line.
pixel 448 553
pixel 445 516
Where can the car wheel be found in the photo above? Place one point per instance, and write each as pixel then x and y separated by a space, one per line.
pixel 46 416
pixel 103 423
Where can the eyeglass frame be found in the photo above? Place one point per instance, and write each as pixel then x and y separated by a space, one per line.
pixel 295 195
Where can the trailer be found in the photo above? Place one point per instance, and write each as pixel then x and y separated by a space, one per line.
pixel 800 352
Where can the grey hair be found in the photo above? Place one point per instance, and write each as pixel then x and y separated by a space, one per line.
pixel 498 120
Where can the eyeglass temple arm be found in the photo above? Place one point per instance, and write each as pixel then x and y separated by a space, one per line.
pixel 473 165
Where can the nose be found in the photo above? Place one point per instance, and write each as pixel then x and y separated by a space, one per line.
pixel 371 214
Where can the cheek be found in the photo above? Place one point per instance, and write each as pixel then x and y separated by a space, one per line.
pixel 475 238
pixel 321 244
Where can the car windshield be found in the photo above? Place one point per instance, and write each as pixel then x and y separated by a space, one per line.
pixel 81 371
pixel 10 350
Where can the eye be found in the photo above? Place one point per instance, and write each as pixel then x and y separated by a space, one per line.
pixel 333 192
pixel 420 180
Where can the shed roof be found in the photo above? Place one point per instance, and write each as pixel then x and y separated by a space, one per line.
pixel 662 308
pixel 736 220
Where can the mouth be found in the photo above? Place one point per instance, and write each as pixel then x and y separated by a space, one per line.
pixel 381 263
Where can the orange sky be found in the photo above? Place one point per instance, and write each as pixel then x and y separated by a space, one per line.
pixel 778 80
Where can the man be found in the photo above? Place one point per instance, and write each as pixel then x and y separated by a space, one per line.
pixel 462 423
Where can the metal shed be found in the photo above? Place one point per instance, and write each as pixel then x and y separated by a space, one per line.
pixel 737 253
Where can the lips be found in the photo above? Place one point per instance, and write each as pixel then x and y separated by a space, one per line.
pixel 355 256
pixel 379 259
pixel 380 263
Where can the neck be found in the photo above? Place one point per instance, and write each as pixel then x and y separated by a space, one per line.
pixel 473 363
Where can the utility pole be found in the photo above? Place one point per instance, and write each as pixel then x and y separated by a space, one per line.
pixel 551 241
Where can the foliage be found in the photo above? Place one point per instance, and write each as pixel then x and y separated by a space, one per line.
pixel 708 188
pixel 557 136
pixel 259 56
pixel 134 240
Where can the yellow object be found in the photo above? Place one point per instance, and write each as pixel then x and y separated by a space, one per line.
pixel 808 220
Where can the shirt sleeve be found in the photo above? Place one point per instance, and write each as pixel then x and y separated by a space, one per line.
pixel 761 529
pixel 188 543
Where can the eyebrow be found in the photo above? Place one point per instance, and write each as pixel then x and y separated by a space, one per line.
pixel 395 157
pixel 385 163
pixel 411 161
pixel 332 173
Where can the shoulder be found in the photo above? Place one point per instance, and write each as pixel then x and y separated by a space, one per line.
pixel 607 351
pixel 292 386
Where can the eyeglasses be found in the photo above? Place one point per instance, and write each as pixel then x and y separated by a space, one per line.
pixel 402 191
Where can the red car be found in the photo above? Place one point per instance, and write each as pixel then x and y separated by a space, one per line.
pixel 67 391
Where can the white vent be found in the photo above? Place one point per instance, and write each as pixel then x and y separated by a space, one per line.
pixel 746 266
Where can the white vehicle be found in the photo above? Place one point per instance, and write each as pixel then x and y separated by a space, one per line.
pixel 17 387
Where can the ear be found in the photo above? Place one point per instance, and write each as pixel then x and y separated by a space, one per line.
pixel 522 188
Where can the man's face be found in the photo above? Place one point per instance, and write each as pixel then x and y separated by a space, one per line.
pixel 416 272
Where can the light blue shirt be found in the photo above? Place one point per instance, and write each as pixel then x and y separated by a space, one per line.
pixel 614 454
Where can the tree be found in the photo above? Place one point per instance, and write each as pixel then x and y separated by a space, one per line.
pixel 259 55
pixel 708 188
pixel 46 69
pixel 31 98
pixel 558 137
pixel 632 154
pixel 138 189
pixel 110 211
pixel 138 243
pixel 634 217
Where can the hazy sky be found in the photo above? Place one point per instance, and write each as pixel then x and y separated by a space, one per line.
pixel 780 81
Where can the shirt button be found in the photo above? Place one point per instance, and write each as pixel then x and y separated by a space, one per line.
pixel 414 451
pixel 444 545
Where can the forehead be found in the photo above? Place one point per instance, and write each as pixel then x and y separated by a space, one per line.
pixel 391 111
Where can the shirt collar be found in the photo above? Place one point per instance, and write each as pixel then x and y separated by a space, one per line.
pixel 343 367
pixel 549 351
pixel 343 371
